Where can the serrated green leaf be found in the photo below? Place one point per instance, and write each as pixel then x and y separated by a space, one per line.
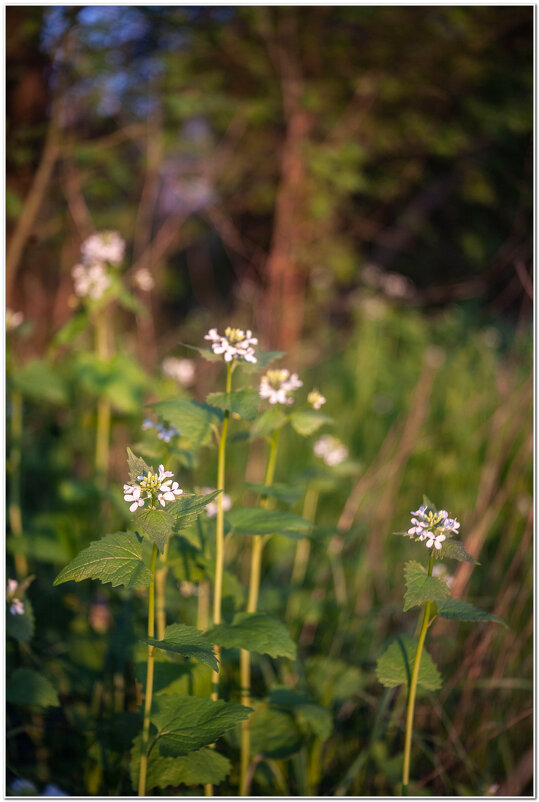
pixel 420 587
pixel 289 494
pixel 307 421
pixel 187 723
pixel 257 521
pixel 193 419
pixel 263 359
pixel 394 666
pixel 454 550
pixel 29 687
pixel 274 734
pixel 137 467
pixel 457 610
pixel 312 718
pixel 39 381
pixel 156 524
pixel 115 558
pixel 255 632
pixel 244 403
pixel 268 421
pixel 186 509
pixel 187 641
pixel 20 627
pixel 196 768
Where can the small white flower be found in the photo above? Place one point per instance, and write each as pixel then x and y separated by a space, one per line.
pixel 212 507
pixel 16 607
pixel 331 450
pixel 13 319
pixel 434 540
pixel 181 370
pixel 144 279
pixel 234 344
pixel 12 585
pixel 105 246
pixel 418 529
pixel 278 385
pixel 90 280
pixel 169 492
pixel 316 399
pixel 132 493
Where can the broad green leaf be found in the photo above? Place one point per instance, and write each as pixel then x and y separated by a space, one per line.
pixel 257 521
pixel 29 687
pixel 263 359
pixel 187 641
pixel 187 723
pixel 193 419
pixel 268 421
pixel 255 632
pixel 39 381
pixel 420 587
pixel 75 326
pixel 457 610
pixel 20 627
pixel 196 768
pixel 137 467
pixel 394 667
pixel 186 509
pixel 156 524
pixel 454 550
pixel 307 421
pixel 274 734
pixel 115 558
pixel 310 717
pixel 286 493
pixel 332 679
pixel 244 403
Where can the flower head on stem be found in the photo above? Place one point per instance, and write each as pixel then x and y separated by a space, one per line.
pixel 153 487
pixel 234 345
pixel 278 386
pixel 316 399
pixel 432 527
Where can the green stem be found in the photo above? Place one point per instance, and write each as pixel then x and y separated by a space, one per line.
pixel 103 406
pixel 15 512
pixel 149 681
pixel 252 604
pixel 413 687
pixel 220 533
pixel 160 586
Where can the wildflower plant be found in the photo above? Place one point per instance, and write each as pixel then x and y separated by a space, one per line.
pixel 405 661
pixel 162 513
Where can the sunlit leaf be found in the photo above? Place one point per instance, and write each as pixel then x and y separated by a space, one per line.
pixel 256 632
pixel 395 665
pixel 258 521
pixel 187 641
pixel 457 610
pixel 196 768
pixel 420 587
pixel 307 421
pixel 115 558
pixel 156 524
pixel 193 419
pixel 244 403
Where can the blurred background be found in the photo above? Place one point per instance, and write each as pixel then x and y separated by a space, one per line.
pixel 356 186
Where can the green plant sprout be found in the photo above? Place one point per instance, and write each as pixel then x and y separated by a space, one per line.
pixel 404 662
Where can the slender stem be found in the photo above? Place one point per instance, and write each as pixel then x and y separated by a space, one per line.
pixel 413 687
pixel 149 681
pixel 252 603
pixel 220 533
pixel 303 547
pixel 103 406
pixel 160 586
pixel 15 512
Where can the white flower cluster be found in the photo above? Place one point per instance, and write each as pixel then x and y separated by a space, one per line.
pixel 278 385
pixel 181 370
pixel 211 508
pixel 105 246
pixel 144 280
pixel 16 606
pixel 164 433
pixel 154 486
pixel 91 281
pixel 90 276
pixel 434 527
pixel 316 399
pixel 331 450
pixel 13 319
pixel 235 344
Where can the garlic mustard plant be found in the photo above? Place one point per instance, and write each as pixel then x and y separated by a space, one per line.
pixel 404 662
pixel 235 344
